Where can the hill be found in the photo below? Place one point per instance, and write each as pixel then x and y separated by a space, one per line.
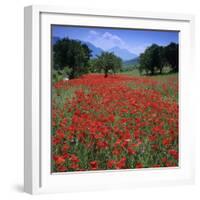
pixel 124 54
pixel 127 57
pixel 131 63
pixel 96 51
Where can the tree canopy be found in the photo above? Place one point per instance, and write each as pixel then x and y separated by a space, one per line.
pixel 171 55
pixel 156 57
pixel 108 61
pixel 72 54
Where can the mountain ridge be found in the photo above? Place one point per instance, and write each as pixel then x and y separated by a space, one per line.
pixel 124 54
pixel 132 61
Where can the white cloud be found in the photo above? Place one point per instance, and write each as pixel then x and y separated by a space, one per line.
pixel 92 32
pixel 105 40
pixel 114 38
pixel 138 49
pixel 108 40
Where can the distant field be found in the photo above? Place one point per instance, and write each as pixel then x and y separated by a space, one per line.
pixel 134 72
pixel 123 121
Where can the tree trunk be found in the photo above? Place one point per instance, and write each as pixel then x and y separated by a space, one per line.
pixel 161 70
pixel 106 73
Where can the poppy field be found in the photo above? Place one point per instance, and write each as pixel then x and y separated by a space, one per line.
pixel 118 122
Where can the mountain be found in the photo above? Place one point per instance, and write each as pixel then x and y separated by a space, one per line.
pixel 124 54
pixel 96 51
pixel 131 62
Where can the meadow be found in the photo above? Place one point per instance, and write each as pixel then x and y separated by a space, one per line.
pixel 124 121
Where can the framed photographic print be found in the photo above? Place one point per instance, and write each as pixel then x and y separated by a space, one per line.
pixel 106 99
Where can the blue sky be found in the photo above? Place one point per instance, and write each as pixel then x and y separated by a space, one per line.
pixel 135 41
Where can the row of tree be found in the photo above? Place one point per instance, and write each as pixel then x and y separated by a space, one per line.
pixel 73 58
pixel 156 57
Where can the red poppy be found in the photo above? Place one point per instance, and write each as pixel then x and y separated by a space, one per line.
pixel 93 165
pixel 116 121
pixel 59 160
pixel 121 164
pixel 74 158
pixel 173 153
pixel 111 164
pixel 138 165
pixel 166 141
pixel 60 133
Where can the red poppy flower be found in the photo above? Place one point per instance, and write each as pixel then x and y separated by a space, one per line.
pixel 121 164
pixel 111 164
pixel 74 158
pixel 59 160
pixel 139 165
pixel 93 165
pixel 166 141
pixel 114 121
pixel 173 153
pixel 60 133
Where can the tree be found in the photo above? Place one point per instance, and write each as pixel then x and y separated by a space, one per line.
pixel 151 59
pixel 156 57
pixel 144 63
pixel 71 53
pixel 108 61
pixel 92 67
pixel 171 55
pixel 162 59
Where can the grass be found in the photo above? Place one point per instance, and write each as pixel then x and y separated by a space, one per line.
pixel 165 83
pixel 133 72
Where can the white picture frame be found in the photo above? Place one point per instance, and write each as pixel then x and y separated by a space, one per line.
pixel 37 169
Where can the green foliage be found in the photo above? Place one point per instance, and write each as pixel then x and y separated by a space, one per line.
pixel 92 67
pixel 171 54
pixel 156 57
pixel 67 71
pixel 150 59
pixel 57 76
pixel 130 68
pixel 61 74
pixel 71 53
pixel 108 62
